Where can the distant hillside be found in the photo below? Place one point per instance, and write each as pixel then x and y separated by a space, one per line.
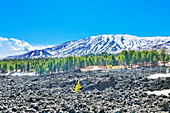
pixel 97 44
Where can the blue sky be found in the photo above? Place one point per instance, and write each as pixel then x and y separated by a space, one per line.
pixel 52 22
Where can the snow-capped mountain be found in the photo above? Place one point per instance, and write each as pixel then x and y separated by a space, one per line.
pixel 32 54
pixel 101 43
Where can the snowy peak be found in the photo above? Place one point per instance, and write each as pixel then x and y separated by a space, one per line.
pixel 32 54
pixel 101 43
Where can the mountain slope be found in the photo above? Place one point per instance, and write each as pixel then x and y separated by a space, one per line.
pixel 100 43
pixel 32 54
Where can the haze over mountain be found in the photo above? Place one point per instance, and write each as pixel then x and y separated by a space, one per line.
pixel 98 44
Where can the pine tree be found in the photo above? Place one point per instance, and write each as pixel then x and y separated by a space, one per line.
pixel 124 58
pixel 5 68
pixel 54 66
pixel 105 56
pixel 16 67
pixel 22 67
pixel 154 57
pixel 167 58
pixel 87 62
pixel 28 67
pixel 119 59
pixel 58 65
pixel 130 53
pixel 97 60
pixel 0 67
pixel 70 63
pixel 134 59
pixel 149 57
pixel 74 62
pixel 113 60
pixel 50 66
pixel 37 69
pixel 102 62
pixel 91 60
pixel 163 55
pixel 144 58
pixel 11 67
pixel 138 56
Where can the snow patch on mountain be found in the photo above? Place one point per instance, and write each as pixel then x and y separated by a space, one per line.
pixel 102 43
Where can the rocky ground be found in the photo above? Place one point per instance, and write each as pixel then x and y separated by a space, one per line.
pixel 118 91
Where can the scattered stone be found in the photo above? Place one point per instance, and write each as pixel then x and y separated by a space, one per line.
pixel 14 109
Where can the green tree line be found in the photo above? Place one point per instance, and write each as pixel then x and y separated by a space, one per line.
pixel 51 65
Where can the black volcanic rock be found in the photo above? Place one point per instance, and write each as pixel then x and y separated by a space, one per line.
pixel 115 91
